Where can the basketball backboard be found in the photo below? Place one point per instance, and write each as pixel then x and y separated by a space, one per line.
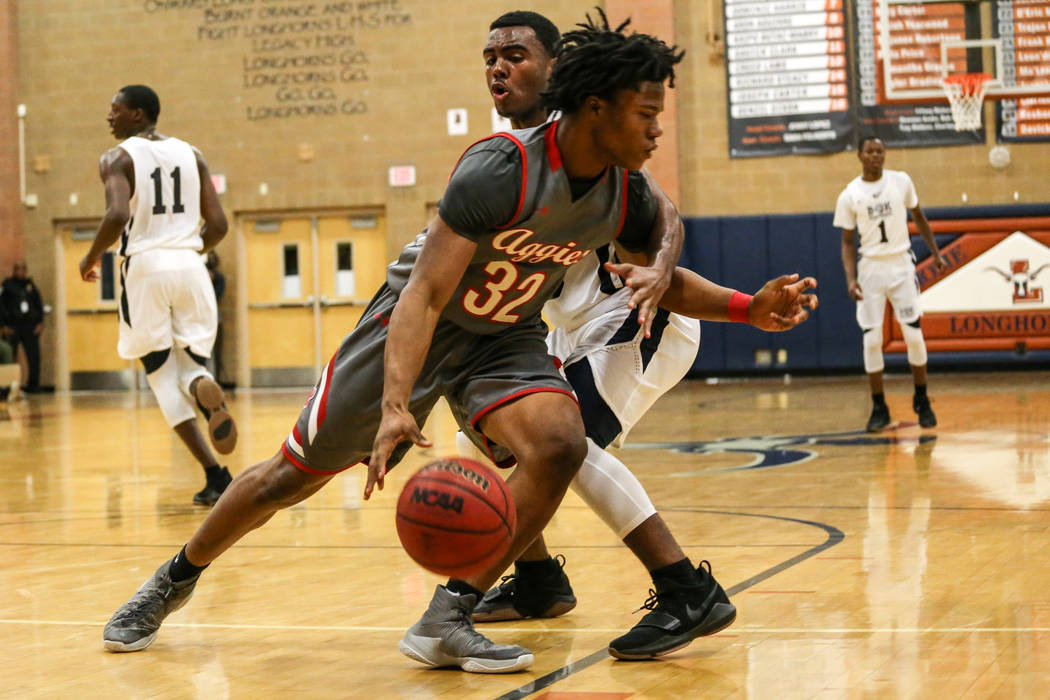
pixel 922 41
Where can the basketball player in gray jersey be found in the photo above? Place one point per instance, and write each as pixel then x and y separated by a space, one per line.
pixel 618 368
pixel 157 192
pixel 459 318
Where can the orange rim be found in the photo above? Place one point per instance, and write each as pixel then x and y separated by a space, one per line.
pixel 970 82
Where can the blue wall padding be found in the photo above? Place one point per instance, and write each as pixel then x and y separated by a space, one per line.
pixel 743 252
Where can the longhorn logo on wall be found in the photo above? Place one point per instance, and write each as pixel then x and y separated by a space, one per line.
pixel 1021 280
pixel 992 297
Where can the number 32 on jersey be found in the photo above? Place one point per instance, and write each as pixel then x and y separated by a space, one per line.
pixel 502 293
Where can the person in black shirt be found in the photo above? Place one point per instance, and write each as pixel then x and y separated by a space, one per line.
pixel 23 314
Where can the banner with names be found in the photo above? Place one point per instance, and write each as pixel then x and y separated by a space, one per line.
pixel 916 31
pixel 1024 28
pixel 787 77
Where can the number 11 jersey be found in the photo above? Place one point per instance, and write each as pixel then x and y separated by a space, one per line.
pixel 165 206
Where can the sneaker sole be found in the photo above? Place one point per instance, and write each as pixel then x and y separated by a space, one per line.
pixel 722 616
pixel 204 502
pixel 121 647
pixel 425 651
pixel 222 431
pixel 510 614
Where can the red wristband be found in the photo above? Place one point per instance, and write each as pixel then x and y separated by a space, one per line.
pixel 738 304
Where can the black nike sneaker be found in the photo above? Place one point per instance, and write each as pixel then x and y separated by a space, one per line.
pixel 209 495
pixel 679 614
pixel 921 405
pixel 880 418
pixel 518 597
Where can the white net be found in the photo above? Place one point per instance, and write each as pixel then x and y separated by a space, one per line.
pixel 966 98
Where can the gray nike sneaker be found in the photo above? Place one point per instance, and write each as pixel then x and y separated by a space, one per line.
pixel 134 626
pixel 445 636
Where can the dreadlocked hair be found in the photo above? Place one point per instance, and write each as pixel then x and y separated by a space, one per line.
pixel 598 60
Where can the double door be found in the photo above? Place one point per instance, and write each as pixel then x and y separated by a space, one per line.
pixel 307 279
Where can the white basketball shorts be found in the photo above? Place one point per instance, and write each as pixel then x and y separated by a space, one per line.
pixel 627 371
pixel 167 301
pixel 891 277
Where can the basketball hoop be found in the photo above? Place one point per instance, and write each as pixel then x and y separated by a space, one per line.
pixel 965 93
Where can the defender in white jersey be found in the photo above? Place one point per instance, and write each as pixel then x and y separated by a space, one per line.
pixel 876 204
pixel 619 361
pixel 157 191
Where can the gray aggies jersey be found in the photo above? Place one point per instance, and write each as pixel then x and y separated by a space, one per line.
pixel 510 194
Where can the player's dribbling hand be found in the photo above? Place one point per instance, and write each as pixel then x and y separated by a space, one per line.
pixel 88 270
pixel 395 427
pixel 647 284
pixel 782 303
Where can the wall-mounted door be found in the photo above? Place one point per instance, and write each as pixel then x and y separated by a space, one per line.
pixel 308 278
pixel 352 264
pixel 89 325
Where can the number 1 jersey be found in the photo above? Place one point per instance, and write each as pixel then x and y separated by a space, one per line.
pixel 879 212
pixel 165 206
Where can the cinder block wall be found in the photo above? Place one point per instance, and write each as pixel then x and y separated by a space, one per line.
pixel 316 100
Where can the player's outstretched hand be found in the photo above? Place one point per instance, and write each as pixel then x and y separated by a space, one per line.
pixel 88 269
pixel 782 303
pixel 648 285
pixel 395 427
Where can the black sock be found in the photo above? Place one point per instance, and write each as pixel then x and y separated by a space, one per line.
pixel 213 473
pixel 920 391
pixel 878 399
pixel 462 587
pixel 681 571
pixel 541 568
pixel 182 568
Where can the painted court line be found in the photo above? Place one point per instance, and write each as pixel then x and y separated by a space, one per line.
pixel 574 630
pixel 834 536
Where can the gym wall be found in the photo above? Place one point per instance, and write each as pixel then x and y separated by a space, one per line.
pixel 304 106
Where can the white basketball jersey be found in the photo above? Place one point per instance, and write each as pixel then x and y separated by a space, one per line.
pixel 588 291
pixel 879 211
pixel 166 203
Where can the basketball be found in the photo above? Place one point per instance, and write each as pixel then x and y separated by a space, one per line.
pixel 455 517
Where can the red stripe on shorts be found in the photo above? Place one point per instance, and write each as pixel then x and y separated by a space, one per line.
pixel 294 459
pixel 324 395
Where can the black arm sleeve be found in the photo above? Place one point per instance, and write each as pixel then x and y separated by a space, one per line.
pixel 641 214
pixel 484 190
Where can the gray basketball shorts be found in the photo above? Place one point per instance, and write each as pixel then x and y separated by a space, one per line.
pixel 475 373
